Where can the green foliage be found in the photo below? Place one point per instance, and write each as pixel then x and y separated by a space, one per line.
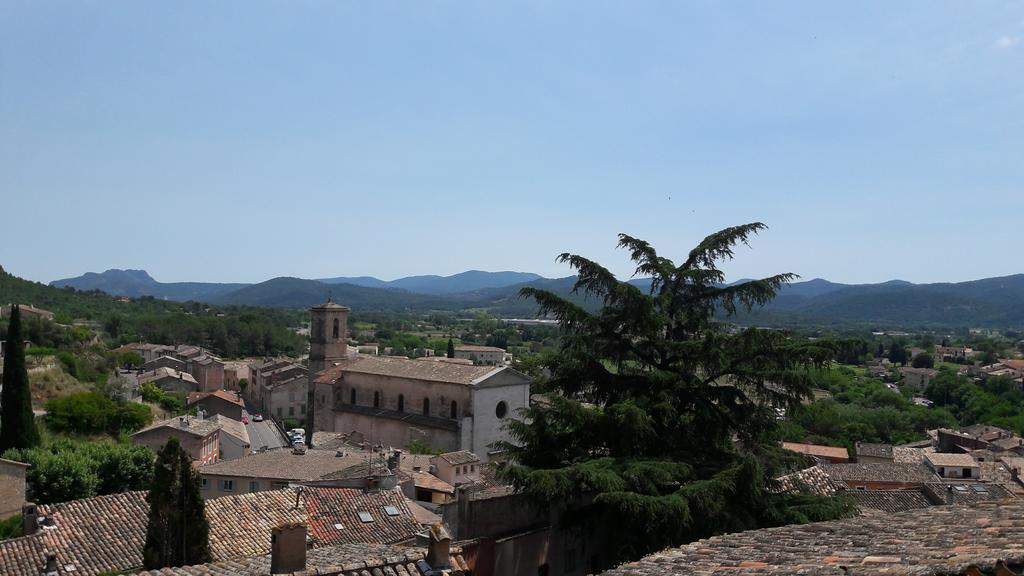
pixel 243 383
pixel 177 533
pixel 131 360
pixel 655 411
pixel 897 353
pixel 923 360
pixel 153 394
pixel 71 470
pixel 451 348
pixel 862 409
pixel 996 401
pixel 94 413
pixel 17 423
pixel 421 447
pixel 11 527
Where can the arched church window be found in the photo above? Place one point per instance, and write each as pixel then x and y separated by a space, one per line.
pixel 426 406
pixel 455 410
pixel 401 403
pixel 337 328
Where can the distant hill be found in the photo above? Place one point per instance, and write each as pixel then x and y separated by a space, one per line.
pixel 469 281
pixel 990 302
pixel 136 283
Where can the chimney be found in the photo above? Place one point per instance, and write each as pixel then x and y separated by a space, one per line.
pixel 949 495
pixel 183 421
pixel 288 548
pixel 50 568
pixel 29 518
pixel 393 460
pixel 439 547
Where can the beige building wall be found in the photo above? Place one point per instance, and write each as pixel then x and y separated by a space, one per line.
pixel 214 486
pixel 205 450
pixel 288 400
pixel 12 487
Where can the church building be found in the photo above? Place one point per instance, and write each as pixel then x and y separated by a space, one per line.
pixel 395 401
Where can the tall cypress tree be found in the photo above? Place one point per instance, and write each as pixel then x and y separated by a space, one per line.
pixel 451 348
pixel 18 424
pixel 178 533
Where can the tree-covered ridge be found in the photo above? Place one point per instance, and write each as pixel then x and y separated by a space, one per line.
pixel 227 330
pixel 657 412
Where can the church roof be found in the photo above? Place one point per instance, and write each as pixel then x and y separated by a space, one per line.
pixel 406 368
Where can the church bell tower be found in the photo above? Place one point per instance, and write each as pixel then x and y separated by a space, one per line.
pixel 328 343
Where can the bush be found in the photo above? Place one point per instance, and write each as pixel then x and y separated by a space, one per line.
pixel 154 395
pixel 40 351
pixel 11 527
pixel 71 470
pixel 93 413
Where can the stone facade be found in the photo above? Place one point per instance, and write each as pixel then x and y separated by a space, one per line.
pixel 12 487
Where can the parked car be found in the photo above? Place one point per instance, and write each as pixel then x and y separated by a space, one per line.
pixel 257 418
pixel 245 419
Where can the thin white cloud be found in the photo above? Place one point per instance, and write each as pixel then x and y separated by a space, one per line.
pixel 1007 42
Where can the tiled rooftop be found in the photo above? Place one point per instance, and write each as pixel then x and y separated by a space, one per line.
pixel 196 427
pixel 283 464
pixel 165 372
pixel 406 368
pixel 814 480
pixel 830 452
pixel 459 458
pixel 889 500
pixel 880 472
pixel 232 427
pixel 344 560
pixel 934 541
pixel 951 460
pixel 222 394
pixel 107 533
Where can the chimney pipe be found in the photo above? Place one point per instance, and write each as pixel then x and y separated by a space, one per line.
pixel 949 495
pixel 288 548
pixel 394 459
pixel 50 568
pixel 29 519
pixel 439 548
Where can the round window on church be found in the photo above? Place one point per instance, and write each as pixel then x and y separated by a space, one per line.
pixel 501 409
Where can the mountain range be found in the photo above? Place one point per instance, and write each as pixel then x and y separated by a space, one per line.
pixel 997 302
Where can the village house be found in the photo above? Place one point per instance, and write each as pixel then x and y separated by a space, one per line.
pixel 278 468
pixel 27 311
pixel 918 378
pixel 12 487
pixel 234 438
pixel 208 370
pixel 286 398
pixel 395 401
pixel 873 453
pixel 486 355
pixel 947 465
pixel 457 468
pixel 220 402
pixel 279 383
pixel 199 438
pixel 165 362
pixel 234 371
pixel 169 380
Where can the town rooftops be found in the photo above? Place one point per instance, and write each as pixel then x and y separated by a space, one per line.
pixel 946 460
pixel 165 372
pixel 432 483
pixel 107 533
pixel 929 372
pixel 813 480
pixel 342 560
pixel 933 541
pixel 283 464
pixel 187 424
pixel 411 369
pixel 881 472
pixel 194 397
pixel 889 500
pixel 828 452
pixel 459 458
pixel 475 348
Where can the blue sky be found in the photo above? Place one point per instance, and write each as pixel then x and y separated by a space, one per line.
pixel 238 141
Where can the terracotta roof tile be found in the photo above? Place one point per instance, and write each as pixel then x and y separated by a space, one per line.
pixel 343 560
pixel 932 541
pixel 459 458
pixel 406 368
pixel 813 480
pixel 107 533
pixel 196 427
pixel 831 452
pixel 889 500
